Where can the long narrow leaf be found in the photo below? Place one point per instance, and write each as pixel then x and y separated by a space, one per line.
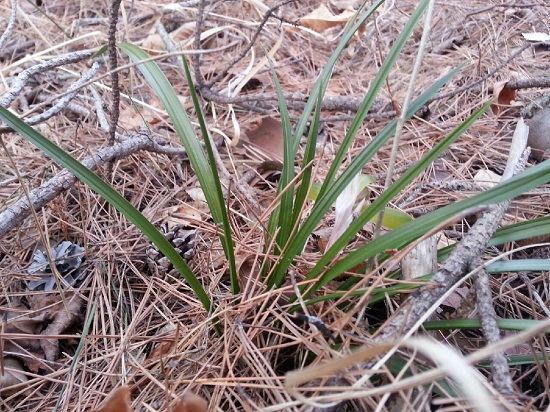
pixel 282 216
pixel 374 88
pixel 393 190
pixel 226 238
pixel 321 85
pixel 307 163
pixel 504 324
pixel 209 182
pixel 321 206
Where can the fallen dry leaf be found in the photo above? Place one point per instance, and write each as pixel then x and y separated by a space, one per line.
pixel 154 45
pixel 322 18
pixel 118 401
pixel 168 343
pixel 265 141
pixel 189 402
pixel 486 178
pixel 503 96
pixel 59 317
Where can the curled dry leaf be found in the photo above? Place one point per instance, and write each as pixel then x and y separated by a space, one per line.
pixel 503 96
pixel 118 401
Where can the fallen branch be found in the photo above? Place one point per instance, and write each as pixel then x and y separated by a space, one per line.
pixel 17 212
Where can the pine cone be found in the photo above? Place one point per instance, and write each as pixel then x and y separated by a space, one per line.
pixel 183 241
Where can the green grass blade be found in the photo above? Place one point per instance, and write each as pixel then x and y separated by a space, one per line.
pixel 519 265
pixel 524 230
pixel 321 206
pixel 111 195
pixel 281 221
pixel 503 324
pixel 209 182
pixel 511 233
pixel 375 87
pixel 393 190
pixel 307 163
pixel 322 83
pixel 226 239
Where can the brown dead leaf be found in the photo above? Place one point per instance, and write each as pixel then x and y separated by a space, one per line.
pixel 265 141
pixel 168 343
pixel 322 19
pixel 247 268
pixel 503 96
pixel 131 117
pixel 189 402
pixel 59 318
pixel 118 401
pixel 151 112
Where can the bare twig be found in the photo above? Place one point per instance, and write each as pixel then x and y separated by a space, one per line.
pixel 60 104
pixel 199 82
pixel 17 212
pixel 11 23
pixel 24 77
pixel 63 102
pixel 294 100
pixel 471 86
pixel 101 116
pixel 528 83
pixel 499 364
pixel 76 108
pixel 269 13
pixel 115 87
pixel 169 43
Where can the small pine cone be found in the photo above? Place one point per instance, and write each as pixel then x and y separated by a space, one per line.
pixel 183 241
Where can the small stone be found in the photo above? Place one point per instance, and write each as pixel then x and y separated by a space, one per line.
pixel 539 134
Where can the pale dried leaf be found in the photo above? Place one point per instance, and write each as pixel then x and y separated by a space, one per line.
pixel 486 178
pixel 536 37
pixel 322 18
